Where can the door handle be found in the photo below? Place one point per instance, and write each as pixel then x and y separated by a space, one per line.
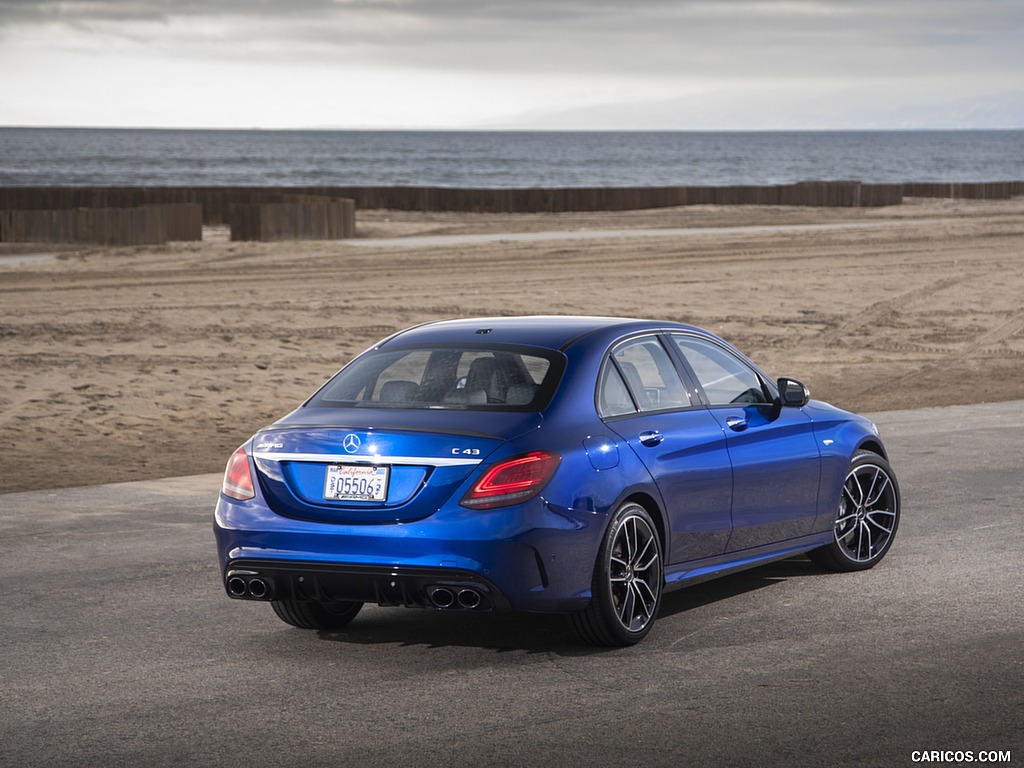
pixel 651 438
pixel 736 423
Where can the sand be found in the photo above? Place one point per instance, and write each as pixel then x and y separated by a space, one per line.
pixel 132 363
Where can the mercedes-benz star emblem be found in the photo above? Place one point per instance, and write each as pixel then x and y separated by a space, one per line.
pixel 350 443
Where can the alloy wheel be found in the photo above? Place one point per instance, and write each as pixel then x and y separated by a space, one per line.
pixel 868 513
pixel 634 573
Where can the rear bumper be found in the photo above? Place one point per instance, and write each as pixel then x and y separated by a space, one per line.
pixel 532 557
pixel 440 588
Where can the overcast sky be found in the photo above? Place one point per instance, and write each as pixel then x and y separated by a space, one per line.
pixel 602 64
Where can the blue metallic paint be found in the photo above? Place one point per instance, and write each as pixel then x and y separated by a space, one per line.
pixel 723 500
pixel 690 468
pixel 602 452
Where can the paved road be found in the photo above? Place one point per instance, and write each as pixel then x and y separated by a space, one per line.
pixel 26 258
pixel 117 646
pixel 440 241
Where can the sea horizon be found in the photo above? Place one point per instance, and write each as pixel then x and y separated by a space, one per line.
pixel 386 129
pixel 501 158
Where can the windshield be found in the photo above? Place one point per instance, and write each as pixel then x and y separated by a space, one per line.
pixel 446 377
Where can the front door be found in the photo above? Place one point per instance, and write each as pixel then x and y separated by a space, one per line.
pixel 774 454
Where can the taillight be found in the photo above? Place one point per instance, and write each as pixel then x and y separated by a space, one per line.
pixel 238 478
pixel 512 481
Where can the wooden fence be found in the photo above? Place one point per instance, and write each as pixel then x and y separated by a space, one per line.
pixel 217 201
pixel 304 219
pixel 142 225
pixel 992 190
pixel 115 213
pixel 594 199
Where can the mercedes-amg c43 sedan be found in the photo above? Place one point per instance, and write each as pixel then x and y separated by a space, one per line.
pixel 581 465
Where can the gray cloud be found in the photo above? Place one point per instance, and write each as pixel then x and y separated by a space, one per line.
pixel 671 44
pixel 721 23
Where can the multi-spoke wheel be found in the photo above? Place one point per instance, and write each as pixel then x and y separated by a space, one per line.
pixel 628 579
pixel 867 518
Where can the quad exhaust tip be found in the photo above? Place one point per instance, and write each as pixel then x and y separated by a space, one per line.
pixel 449 599
pixel 250 586
pixel 254 588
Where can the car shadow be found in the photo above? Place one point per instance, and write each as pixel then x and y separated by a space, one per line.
pixel 539 633
pixel 725 587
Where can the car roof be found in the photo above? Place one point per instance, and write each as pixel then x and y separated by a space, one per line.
pixel 551 331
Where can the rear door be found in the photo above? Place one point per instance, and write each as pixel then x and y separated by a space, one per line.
pixel 643 399
pixel 774 454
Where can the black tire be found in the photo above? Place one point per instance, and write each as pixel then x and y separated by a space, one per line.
pixel 310 615
pixel 629 576
pixel 867 518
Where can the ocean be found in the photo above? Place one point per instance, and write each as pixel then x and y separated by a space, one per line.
pixel 500 159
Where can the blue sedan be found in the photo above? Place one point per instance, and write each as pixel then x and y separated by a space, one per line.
pixel 580 465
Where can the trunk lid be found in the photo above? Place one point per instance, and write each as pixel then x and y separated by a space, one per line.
pixel 312 467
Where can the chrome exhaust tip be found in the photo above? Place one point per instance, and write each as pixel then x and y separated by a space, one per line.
pixel 442 597
pixel 236 586
pixel 469 598
pixel 257 588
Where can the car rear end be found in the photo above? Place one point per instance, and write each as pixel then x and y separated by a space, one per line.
pixel 411 480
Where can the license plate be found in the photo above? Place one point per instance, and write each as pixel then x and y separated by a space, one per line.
pixel 356 482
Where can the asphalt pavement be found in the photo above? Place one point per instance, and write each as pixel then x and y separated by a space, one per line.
pixel 118 646
pixel 445 241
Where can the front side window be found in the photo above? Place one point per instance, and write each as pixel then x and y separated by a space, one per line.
pixel 508 378
pixel 725 378
pixel 639 375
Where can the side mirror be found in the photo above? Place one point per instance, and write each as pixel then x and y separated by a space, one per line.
pixel 793 393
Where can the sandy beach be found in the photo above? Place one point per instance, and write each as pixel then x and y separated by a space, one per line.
pixel 131 363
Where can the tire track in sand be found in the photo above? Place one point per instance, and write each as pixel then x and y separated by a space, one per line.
pixel 981 345
pixel 881 308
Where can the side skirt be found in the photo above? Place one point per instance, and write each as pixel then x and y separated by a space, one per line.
pixel 696 571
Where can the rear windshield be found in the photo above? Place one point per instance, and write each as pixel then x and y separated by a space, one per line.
pixel 446 377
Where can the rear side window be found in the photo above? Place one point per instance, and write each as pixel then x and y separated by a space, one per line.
pixel 484 378
pixel 725 378
pixel 639 375
pixel 613 396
